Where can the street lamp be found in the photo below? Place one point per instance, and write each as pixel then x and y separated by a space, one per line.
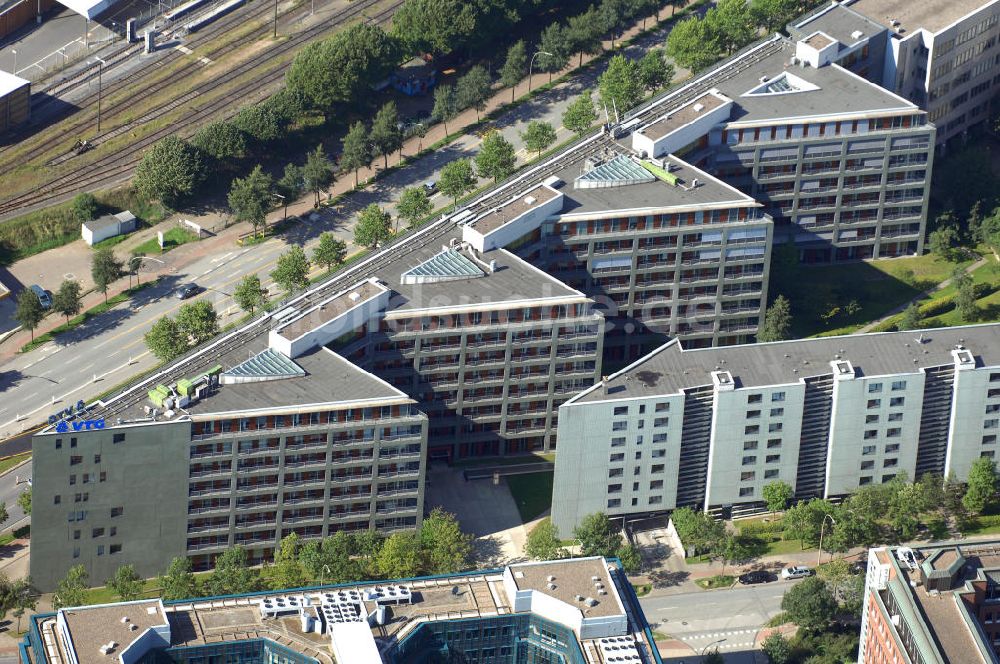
pixel 100 85
pixel 322 572
pixel 135 263
pixel 14 51
pixel 275 19
pixel 821 529
pixel 532 64
pixel 284 202
pixel 713 643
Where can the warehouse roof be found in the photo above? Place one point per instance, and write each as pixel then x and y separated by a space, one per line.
pixel 841 23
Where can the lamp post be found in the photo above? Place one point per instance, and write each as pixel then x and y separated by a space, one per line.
pixel 100 86
pixel 822 527
pixel 135 263
pixel 284 201
pixel 275 19
pixel 532 64
pixel 14 51
pixel 713 643
pixel 322 573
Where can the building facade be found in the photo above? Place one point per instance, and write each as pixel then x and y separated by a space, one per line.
pixel 709 428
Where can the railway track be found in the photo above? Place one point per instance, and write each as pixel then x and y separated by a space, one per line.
pixel 113 168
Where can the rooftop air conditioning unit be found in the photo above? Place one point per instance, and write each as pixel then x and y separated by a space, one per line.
pixel 530 200
pixel 857 34
pixel 355 296
pixel 698 108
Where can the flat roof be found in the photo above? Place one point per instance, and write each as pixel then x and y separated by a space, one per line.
pixel 91 627
pixel 573 578
pixel 671 369
pixel 88 8
pixel 683 115
pixel 9 83
pixel 504 214
pixel 841 22
pixel 819 41
pixel 931 15
pixel 330 309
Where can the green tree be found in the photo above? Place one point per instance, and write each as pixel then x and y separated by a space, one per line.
pixel 414 205
pixel 331 560
pixel 386 135
pixel 733 23
pixel 249 294
pixel 23 597
pixel 373 227
pixel 713 657
pixel 84 207
pixel 555 47
pixel 165 340
pixel 734 549
pixel 804 520
pixel 232 575
pixel 777 649
pixel 178 582
pixel 629 557
pixel 24 501
pixel 538 136
pixel 543 542
pixel 693 44
pixel 68 299
pixel 292 269
pixel 292 182
pixel 3 513
pixel 29 312
pixel 170 171
pixel 777 321
pixel 105 268
pixel 941 242
pixel 598 537
pixel 221 140
pixel 620 85
pixel 772 15
pixel 317 172
pixel 580 115
pixel 496 158
pixel 260 122
pixel 445 105
pixel 810 604
pixel 697 530
pixel 356 150
pixel 446 548
pixel 584 32
pixel 330 251
pixel 514 67
pixel 197 322
pixel 981 487
pixel 435 26
pixel 777 495
pixel 912 319
pixel 473 89
pixel 965 297
pixel 654 71
pixel 72 590
pixel 126 583
pixel 457 179
pixel 400 556
pixel 250 198
pixel 287 571
pixel 614 15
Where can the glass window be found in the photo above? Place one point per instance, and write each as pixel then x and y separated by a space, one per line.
pixel 777 396
pixel 874 388
pixel 621 410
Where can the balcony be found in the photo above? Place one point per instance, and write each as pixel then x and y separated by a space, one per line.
pixel 210 508
pixel 208 526
pixel 210 471
pixel 208 491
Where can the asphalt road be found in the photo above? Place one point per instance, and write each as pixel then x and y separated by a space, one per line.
pixel 10 489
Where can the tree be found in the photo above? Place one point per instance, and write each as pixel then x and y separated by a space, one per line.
pixel 629 557
pixel 292 182
pixel 445 105
pixel 496 158
pixel 697 530
pixel 538 136
pixel 584 31
pixel 250 198
pixel 221 141
pixel 941 242
pixel 232 576
pixel 249 294
pixel 260 122
pixel 72 590
pixel 165 340
pixel 777 495
pixel 580 115
pixel 692 44
pixel 446 547
pixel 620 86
pixel 373 226
pixel 330 251
pixel 473 89
pixel 733 23
pixel 613 14
pixel 400 556
pixel 29 312
pixel 84 207
pixel 772 15
pixel 733 549
pixel 457 179
pixel 126 583
pixel 287 572
pixel 654 71
pixel 179 581
pixel 981 487
pixel 356 150
pixel 386 135
pixel 555 47
pixel 912 318
pixel 414 205
pixel 436 26
pixel 777 649
pixel 777 321
pixel 3 513
pixel 804 520
pixel 514 67
pixel 104 270
pixel 23 596
pixel 317 172
pixel 598 537
pixel 197 322
pixel 810 604
pixel 292 269
pixel 713 657
pixel 24 501
pixel 170 171
pixel 331 560
pixel 67 300
pixel 965 297
pixel 543 542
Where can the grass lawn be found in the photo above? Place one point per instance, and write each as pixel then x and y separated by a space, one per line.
pixel 786 546
pixel 13 460
pixel 984 525
pixel 104 594
pixel 643 590
pixel 506 461
pixel 532 493
pixel 175 237
pixel 717 581
pixel 7 538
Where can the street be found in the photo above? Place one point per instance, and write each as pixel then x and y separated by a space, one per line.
pixel 12 484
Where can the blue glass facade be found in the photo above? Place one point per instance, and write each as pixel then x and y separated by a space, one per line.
pixel 253 651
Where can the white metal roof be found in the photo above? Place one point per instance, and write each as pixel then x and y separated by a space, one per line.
pixel 9 83
pixel 88 8
pixel 353 642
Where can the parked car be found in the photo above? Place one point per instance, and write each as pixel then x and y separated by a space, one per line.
pixel 42 295
pixel 430 187
pixel 797 572
pixel 757 576
pixel 859 567
pixel 184 291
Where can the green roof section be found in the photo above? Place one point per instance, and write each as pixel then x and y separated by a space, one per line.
pixel 266 365
pixel 660 173
pixel 618 172
pixel 447 265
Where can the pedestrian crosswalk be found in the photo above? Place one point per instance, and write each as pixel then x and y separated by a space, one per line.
pixel 735 639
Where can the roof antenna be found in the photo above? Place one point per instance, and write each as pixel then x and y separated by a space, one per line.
pixel 614 105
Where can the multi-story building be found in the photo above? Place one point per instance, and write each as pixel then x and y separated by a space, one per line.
pixel 570 611
pixel 940 54
pixel 710 428
pixel 935 604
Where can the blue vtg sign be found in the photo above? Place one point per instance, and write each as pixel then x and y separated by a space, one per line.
pixel 80 425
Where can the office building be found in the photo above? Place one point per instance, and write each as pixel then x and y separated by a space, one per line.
pixel 569 611
pixel 940 54
pixel 935 604
pixel 709 428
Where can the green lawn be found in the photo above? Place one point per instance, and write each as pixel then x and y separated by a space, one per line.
pixel 532 493
pixel 13 460
pixel 104 595
pixel 984 525
pixel 175 237
pixel 717 581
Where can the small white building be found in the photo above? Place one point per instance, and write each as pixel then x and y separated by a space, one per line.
pixel 107 226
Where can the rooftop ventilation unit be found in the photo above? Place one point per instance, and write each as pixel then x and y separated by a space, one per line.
pixel 698 108
pixel 552 586
pixel 857 34
pixel 355 296
pixel 551 578
pixel 530 200
pixel 579 598
pixel 590 601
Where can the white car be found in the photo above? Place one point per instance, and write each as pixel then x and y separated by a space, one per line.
pixel 796 572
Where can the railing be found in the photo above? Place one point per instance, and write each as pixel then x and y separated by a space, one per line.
pixel 210 471
pixel 214 508
pixel 210 490
pixel 206 545
pixel 256 487
pixel 202 528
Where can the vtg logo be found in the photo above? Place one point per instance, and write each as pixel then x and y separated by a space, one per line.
pixel 88 425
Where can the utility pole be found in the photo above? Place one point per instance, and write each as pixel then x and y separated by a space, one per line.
pixel 532 64
pixel 275 19
pixel 14 51
pixel 100 86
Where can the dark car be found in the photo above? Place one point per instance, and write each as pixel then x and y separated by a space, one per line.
pixel 43 296
pixel 184 291
pixel 759 576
